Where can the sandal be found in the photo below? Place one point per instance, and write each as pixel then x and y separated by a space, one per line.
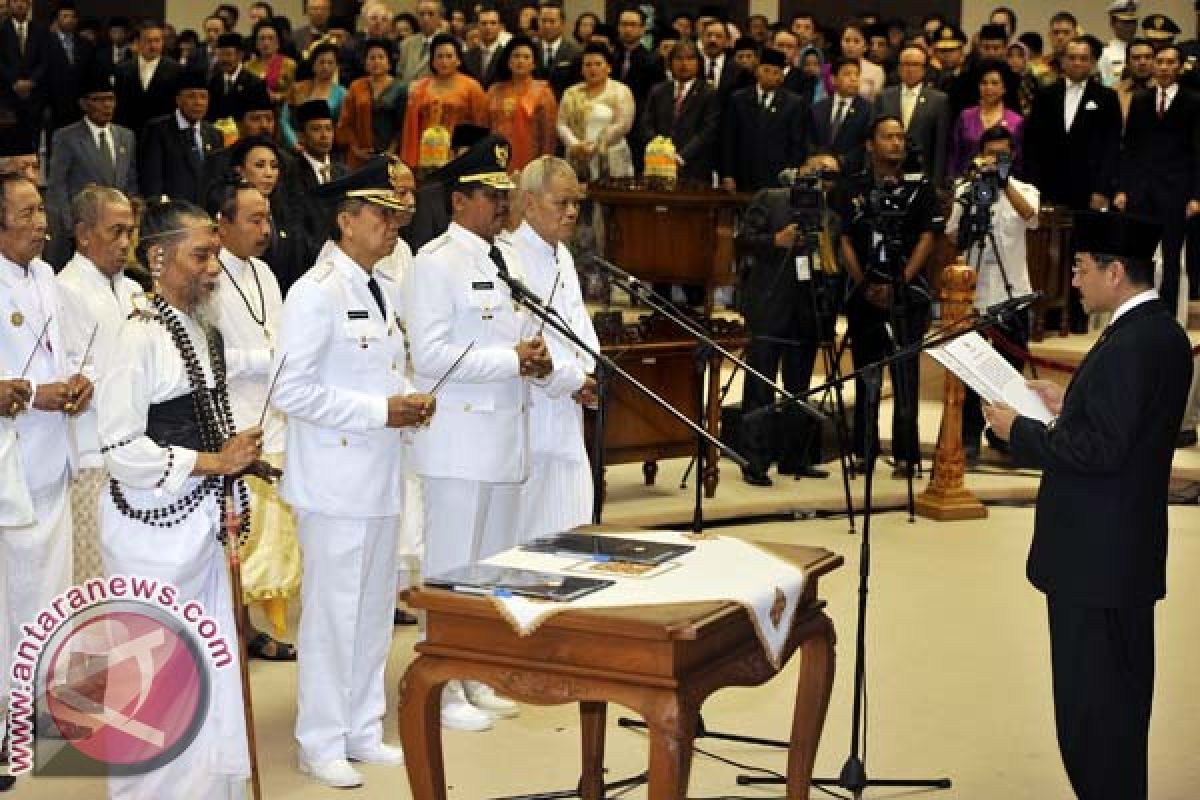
pixel 268 649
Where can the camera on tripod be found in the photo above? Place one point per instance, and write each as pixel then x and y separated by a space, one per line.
pixel 985 182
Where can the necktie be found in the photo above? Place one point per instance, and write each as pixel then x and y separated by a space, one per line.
pixel 1162 103
pixel 377 293
pixel 498 259
pixel 710 73
pixel 21 32
pixel 678 99
pixel 228 84
pixel 194 143
pixel 765 101
pixel 839 113
pixel 626 63
pixel 908 100
pixel 106 155
pixel 325 175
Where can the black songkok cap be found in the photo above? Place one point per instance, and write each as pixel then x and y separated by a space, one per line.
pixel 310 110
pixel 773 58
pixel 1120 235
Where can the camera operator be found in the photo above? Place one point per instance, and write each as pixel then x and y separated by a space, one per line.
pixel 890 217
pixel 780 230
pixel 1009 207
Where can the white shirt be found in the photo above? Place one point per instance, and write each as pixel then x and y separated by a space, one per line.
pixel 555 419
pixel 1132 303
pixel 245 290
pixel 183 124
pixel 718 64
pixel 1071 101
pixel 550 49
pixel 102 305
pixel 107 130
pixel 317 166
pixel 28 298
pixel 1009 230
pixel 146 70
pixel 909 97
pixel 1170 92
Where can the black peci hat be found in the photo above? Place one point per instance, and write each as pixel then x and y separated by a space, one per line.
pixel 310 110
pixel 254 98
pixel 1120 235
pixel 773 58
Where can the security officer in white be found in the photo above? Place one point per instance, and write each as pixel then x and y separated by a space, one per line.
pixel 1123 18
pixel 343 388
pixel 474 456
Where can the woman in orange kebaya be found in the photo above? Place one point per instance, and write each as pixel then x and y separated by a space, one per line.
pixel 521 109
pixel 437 103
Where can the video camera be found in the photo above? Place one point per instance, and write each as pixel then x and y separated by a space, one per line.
pixel 985 182
pixel 807 197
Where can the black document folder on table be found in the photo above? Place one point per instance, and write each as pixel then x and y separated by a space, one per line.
pixel 608 548
pixel 501 581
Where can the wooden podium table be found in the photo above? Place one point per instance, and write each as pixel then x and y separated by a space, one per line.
pixel 660 661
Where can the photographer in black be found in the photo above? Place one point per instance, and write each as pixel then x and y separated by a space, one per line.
pixel 889 218
pixel 989 200
pixel 788 243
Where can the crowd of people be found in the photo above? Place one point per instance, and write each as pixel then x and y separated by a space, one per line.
pixel 270 191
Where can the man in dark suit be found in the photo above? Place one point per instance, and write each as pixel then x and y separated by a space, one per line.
pixel 146 83
pixel 480 62
pixel 924 111
pixel 318 13
pixel 315 166
pixel 1099 546
pixel 229 79
pixel 764 130
pixel 175 146
pixel 90 151
pixel 719 68
pixel 558 55
pixel 685 111
pixel 71 56
pixel 840 122
pixel 636 67
pixel 1073 136
pixel 24 64
pixel 1159 174
pixel 114 49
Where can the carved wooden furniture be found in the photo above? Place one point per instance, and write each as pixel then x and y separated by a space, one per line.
pixel 1049 252
pixel 637 429
pixel 660 661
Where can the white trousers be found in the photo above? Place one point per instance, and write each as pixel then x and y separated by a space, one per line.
pixel 409 540
pixel 349 594
pixel 556 498
pixel 466 521
pixel 216 764
pixel 36 564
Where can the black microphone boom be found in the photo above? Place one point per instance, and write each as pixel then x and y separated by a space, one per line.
pixel 1013 304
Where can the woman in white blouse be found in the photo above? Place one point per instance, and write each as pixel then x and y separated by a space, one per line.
pixel 594 118
pixel 854 45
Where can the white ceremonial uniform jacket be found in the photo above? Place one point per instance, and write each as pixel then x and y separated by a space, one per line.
pixel 555 418
pixel 27 300
pixel 344 359
pixel 454 297
pixel 248 289
pixel 99 304
pixel 16 506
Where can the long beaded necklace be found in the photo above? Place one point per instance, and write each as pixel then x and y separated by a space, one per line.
pixel 215 415
pixel 262 298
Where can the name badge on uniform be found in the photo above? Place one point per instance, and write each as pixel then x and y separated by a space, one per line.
pixel 803 269
pixel 360 314
pixel 482 286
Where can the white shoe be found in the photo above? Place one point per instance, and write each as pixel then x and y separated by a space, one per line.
pixel 385 755
pixel 484 698
pixel 458 714
pixel 337 773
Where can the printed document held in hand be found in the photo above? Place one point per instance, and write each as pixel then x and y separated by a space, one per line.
pixel 980 367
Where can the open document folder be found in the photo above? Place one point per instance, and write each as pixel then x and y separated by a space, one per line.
pixel 980 367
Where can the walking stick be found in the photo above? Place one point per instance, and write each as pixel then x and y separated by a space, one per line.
pixel 233 527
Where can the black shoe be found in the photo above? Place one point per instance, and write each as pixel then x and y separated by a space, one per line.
pixel 6 782
pixel 402 617
pixel 1186 439
pixel 267 648
pixel 811 472
pixel 756 477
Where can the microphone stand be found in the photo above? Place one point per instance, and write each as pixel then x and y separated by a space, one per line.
pixel 853 776
pixel 706 345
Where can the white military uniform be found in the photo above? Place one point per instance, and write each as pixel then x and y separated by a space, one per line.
pixel 16 511
pixel 474 455
pixel 558 495
pixel 35 557
pixel 100 304
pixel 344 479
pixel 409 547
pixel 150 371
pixel 1112 62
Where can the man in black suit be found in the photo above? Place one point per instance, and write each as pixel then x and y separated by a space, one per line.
pixel 24 64
pixel 174 147
pixel 229 79
pixel 685 111
pixel 638 68
pixel 763 132
pixel 924 110
pixel 146 83
pixel 558 55
pixel 839 122
pixel 480 62
pixel 1099 546
pixel 315 166
pixel 1160 170
pixel 70 57
pixel 719 69
pixel 1073 136
pixel 114 49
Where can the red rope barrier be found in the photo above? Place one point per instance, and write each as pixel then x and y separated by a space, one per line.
pixel 1002 342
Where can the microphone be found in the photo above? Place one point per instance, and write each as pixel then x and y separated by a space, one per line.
pixel 1013 304
pixel 614 270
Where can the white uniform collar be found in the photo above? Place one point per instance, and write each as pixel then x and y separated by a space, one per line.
pixel 540 246
pixel 471 240
pixel 348 266
pixel 11 270
pixel 87 270
pixel 1132 303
